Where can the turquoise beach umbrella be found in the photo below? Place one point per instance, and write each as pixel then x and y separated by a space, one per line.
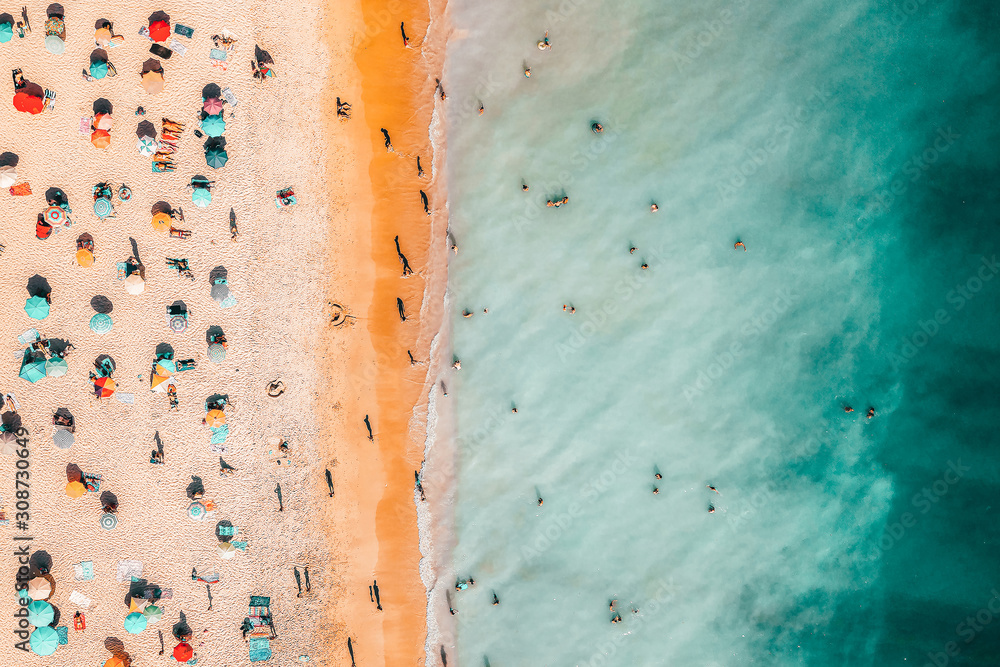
pixel 55 368
pixel 201 197
pixel 135 623
pixel 6 32
pixel 32 370
pixel 99 69
pixel 101 323
pixel 37 308
pixel 213 126
pixel 216 158
pixel 44 641
pixel 152 613
pixel 40 613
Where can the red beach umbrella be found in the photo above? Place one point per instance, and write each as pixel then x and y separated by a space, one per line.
pixel 104 387
pixel 183 652
pixel 100 138
pixel 159 31
pixel 28 103
pixel 213 106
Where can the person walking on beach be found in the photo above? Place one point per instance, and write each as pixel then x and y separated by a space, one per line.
pixel 329 481
pixel 413 362
pixel 402 258
pixel 402 29
pixel 402 311
pixel 388 141
pixel 368 425
pixel 378 600
pixel 420 170
pixel 423 198
pixel 440 89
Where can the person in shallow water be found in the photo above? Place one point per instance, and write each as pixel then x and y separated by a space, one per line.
pixel 388 141
pixel 597 128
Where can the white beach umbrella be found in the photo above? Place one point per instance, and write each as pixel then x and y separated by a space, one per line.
pixel 134 284
pixel 8 176
pixel 226 550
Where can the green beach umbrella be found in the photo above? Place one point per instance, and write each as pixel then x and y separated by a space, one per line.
pixel 44 640
pixel 202 197
pixel 100 323
pixel 135 623
pixel 152 614
pixel 37 308
pixel 216 353
pixel 40 613
pixel 213 126
pixel 99 69
pixel 216 158
pixel 6 32
pixel 32 370
pixel 56 367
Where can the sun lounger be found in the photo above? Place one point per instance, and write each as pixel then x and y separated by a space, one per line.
pixel 260 649
pixel 92 482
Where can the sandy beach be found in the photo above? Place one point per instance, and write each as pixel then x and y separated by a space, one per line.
pixel 286 269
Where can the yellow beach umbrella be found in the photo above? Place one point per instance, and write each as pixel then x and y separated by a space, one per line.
pixel 215 418
pixel 161 222
pixel 75 489
pixel 84 257
pixel 159 384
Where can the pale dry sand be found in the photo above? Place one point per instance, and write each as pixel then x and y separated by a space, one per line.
pixel 284 269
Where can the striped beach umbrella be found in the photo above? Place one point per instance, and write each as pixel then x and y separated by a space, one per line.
pixel 55 216
pixel 44 641
pixel 108 522
pixel 152 614
pixel 102 207
pixel 40 613
pixel 104 387
pixel 101 323
pixel 216 353
pixel 226 550
pixel 63 439
pixel 147 146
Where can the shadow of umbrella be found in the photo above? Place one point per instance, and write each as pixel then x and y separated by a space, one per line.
pixel 216 273
pixel 41 562
pixel 145 129
pixel 211 90
pixel 151 65
pixel 11 421
pixel 102 304
pixel 181 629
pixel 159 16
pixel 102 105
pixel 38 286
pixel 161 207
pixel 73 473
pixel 196 489
pixel 116 646
pixel 55 9
pixel 8 159
pixel 213 332
pixel 218 533
pixel 165 350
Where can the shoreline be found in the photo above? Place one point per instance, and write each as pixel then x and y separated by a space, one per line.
pixel 379 510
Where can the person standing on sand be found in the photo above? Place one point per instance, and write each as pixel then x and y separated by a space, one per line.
pixel 329 481
pixel 420 170
pixel 423 198
pixel 402 29
pixel 378 600
pixel 402 311
pixel 368 425
pixel 388 141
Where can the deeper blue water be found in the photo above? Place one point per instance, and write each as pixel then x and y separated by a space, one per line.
pixel 852 147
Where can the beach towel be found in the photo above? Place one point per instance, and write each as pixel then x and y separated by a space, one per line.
pixel 177 47
pixel 79 599
pixel 127 399
pixel 129 569
pixel 219 434
pixel 260 649
pixel 92 482
pixel 20 190
pixel 228 531
pixel 242 546
pixel 84 570
pixel 28 337
pixel 63 633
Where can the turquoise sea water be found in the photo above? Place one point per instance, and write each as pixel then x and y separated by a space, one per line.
pixel 852 147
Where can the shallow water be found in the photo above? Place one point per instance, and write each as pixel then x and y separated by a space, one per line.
pixel 851 147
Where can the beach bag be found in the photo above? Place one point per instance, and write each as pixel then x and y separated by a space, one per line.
pixel 43 230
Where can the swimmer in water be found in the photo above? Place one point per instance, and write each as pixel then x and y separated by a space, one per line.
pixel 466 314
pixel 457 365
pixel 543 44
pixel 658 476
pixel 709 486
pixel 644 266
pixel 653 208
pixel 711 509
pixel 496 600
pixel 631 250
pixel 486 311
pixel 655 490
pixel 617 619
pixel 848 408
pixel 611 607
pixel 540 501
pixel 739 244
pixel 527 72
pixel 524 186
pixel 597 128
pixel 871 413
pixel 481 108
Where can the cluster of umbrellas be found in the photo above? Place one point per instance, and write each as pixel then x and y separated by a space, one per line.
pixel 34 367
pixel 163 375
pixel 101 135
pixel 214 126
pixel 44 640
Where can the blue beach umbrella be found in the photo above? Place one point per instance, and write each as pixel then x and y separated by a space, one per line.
pixel 6 32
pixel 213 126
pixel 100 323
pixel 37 308
pixel 102 207
pixel 44 641
pixel 202 197
pixel 32 370
pixel 216 158
pixel 135 623
pixel 40 613
pixel 99 69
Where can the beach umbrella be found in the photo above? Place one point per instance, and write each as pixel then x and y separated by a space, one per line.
pixel 152 82
pixel 159 31
pixel 215 418
pixel 161 222
pixel 33 370
pixel 152 614
pixel 213 126
pixel 216 353
pixel 226 550
pixel 44 641
pixel 55 44
pixel 103 37
pixel 99 69
pixel 63 439
pixel 6 32
pixel 147 146
pixel 104 387
pixel 135 623
pixel 202 197
pixel 166 367
pixel 216 158
pixel 75 489
pixel 8 442
pixel 108 522
pixel 183 652
pixel 102 207
pixel 196 511
pixel 8 176
pixel 40 613
pixel 160 384
pixel 178 324
pixel 40 588
pixel 213 106
pixel 84 257
pixel 134 284
pixel 103 121
pixel 36 307
pixel 115 661
pixel 220 292
pixel 101 323
pixel 54 215
pixel 56 367
pixel 28 103
pixel 100 139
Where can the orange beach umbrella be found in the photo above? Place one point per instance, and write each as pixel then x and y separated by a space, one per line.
pixel 28 103
pixel 100 139
pixel 75 489
pixel 152 82
pixel 104 387
pixel 161 222
pixel 215 418
pixel 84 258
